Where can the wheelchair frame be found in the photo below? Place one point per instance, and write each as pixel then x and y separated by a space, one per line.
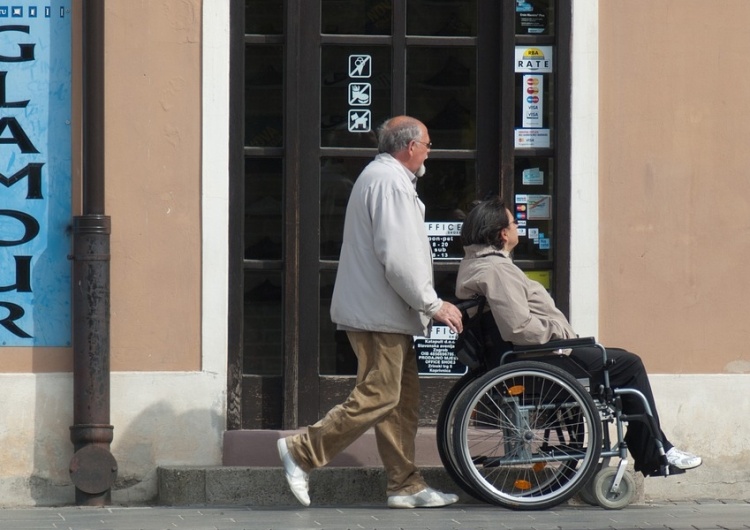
pixel 527 435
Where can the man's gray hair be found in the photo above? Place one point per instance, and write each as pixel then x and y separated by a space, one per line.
pixel 394 135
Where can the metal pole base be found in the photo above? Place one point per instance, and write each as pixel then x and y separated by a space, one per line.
pixel 93 469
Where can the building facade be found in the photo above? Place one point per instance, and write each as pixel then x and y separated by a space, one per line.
pixel 233 131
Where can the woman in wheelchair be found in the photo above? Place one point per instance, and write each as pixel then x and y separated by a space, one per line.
pixel 526 314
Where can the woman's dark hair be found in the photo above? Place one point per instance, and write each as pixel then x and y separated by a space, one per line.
pixel 483 224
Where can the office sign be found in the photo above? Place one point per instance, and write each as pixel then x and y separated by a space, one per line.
pixel 435 354
pixel 35 173
pixel 445 239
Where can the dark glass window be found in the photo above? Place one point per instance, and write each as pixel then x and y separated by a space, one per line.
pixel 356 17
pixel 263 208
pixel 264 17
pixel 442 18
pixel 442 89
pixel 337 176
pixel 336 354
pixel 263 323
pixel 263 95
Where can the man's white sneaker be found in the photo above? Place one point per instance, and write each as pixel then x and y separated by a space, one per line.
pixel 427 498
pixel 295 476
pixel 683 460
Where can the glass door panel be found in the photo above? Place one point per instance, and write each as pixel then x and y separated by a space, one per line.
pixel 535 104
pixel 442 91
pixel 263 208
pixel 337 176
pixel 336 354
pixel 263 95
pixel 533 184
pixel 263 317
pixel 263 323
pixel 264 17
pixel 443 18
pixel 448 190
pixel 356 17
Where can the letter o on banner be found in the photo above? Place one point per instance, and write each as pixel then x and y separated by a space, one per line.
pixel 30 225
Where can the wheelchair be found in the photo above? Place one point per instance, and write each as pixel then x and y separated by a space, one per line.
pixel 532 430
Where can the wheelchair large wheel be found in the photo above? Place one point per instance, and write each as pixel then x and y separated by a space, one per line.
pixel 526 435
pixel 444 434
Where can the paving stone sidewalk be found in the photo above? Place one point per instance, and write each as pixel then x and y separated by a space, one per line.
pixel 707 514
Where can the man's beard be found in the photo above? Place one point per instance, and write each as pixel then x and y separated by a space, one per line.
pixel 421 171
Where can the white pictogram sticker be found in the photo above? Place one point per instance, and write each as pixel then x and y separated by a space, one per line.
pixel 359 120
pixel 360 94
pixel 360 66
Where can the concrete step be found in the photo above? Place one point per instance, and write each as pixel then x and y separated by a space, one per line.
pixel 252 475
pixel 266 486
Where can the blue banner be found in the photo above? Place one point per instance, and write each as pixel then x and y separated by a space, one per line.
pixel 35 173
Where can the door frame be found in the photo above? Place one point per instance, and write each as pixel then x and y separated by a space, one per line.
pixel 301 395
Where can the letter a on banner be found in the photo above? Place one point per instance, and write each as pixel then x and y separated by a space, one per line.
pixel 35 174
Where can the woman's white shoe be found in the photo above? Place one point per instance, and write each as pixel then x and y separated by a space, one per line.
pixel 683 460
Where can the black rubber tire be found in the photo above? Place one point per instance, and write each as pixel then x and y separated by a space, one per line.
pixel 607 499
pixel 526 436
pixel 444 434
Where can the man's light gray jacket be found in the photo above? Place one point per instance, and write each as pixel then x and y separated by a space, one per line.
pixel 384 281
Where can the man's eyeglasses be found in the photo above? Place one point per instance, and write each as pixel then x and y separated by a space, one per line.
pixel 428 145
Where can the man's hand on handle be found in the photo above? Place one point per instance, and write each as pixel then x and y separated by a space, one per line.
pixel 450 315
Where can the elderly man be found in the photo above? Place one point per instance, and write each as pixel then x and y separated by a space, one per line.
pixel 383 296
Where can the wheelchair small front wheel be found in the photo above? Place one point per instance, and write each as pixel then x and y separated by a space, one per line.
pixel 609 499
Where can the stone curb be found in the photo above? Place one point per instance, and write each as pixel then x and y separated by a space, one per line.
pixel 266 486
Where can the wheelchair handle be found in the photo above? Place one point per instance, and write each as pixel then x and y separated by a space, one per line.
pixel 556 345
pixel 463 305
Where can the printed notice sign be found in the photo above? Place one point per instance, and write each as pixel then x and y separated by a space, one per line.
pixel 531 18
pixel 531 208
pixel 532 138
pixel 532 177
pixel 532 98
pixel 445 239
pixel 540 207
pixel 35 174
pixel 534 59
pixel 435 353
